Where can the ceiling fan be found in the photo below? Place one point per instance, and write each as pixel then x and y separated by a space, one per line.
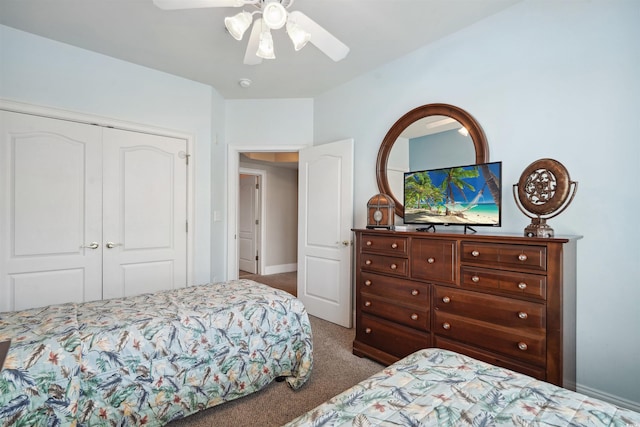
pixel 274 15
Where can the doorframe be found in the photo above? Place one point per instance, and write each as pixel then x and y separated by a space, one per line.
pixel 262 185
pixel 92 119
pixel 233 170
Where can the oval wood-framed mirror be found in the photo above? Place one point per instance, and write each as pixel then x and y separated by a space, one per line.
pixel 461 116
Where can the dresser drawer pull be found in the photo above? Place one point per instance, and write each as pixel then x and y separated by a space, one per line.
pixel 522 257
pixel 367 282
pixel 523 346
pixel 522 285
pixel 446 300
pixel 475 279
pixel 414 316
pixel 367 303
pixel 431 260
pixel 368 262
pixel 369 243
pixel 393 266
pixel 394 246
pixel 367 330
pixel 446 325
pixel 475 253
pixel 523 315
pixel 415 292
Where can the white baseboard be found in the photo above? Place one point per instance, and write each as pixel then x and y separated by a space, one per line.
pixel 282 268
pixel 616 400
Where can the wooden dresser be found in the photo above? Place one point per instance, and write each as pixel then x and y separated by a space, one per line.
pixel 504 299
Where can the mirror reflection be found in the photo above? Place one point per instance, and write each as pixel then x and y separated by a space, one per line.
pixel 429 143
pixel 427 137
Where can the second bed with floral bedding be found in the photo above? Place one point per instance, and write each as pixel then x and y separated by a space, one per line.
pixel 152 358
pixel 435 387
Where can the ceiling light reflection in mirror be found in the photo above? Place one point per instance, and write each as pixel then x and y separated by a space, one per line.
pixel 429 143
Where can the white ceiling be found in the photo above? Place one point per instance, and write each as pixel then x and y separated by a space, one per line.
pixel 194 43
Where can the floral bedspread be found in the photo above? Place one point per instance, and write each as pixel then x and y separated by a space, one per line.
pixel 435 387
pixel 152 358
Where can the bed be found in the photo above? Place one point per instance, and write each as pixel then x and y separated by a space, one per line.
pixel 435 387
pixel 152 358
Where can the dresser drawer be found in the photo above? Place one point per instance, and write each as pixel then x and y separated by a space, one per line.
pixel 493 358
pixel 394 289
pixel 433 260
pixel 505 255
pixel 415 317
pixel 384 264
pixel 390 337
pixel 502 311
pixel 391 245
pixel 513 283
pixel 513 342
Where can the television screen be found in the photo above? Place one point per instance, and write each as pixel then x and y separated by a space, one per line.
pixel 462 195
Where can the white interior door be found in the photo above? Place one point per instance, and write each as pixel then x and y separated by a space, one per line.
pixel 247 223
pixel 145 215
pixel 325 219
pixel 51 211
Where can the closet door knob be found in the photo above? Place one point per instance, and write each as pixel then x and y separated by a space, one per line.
pixel 111 245
pixel 92 245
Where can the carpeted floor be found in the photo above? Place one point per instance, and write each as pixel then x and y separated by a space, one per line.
pixel 335 369
pixel 286 281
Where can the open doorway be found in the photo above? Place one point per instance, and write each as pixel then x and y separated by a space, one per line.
pixel 267 200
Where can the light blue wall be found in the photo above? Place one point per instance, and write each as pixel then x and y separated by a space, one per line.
pixel 556 79
pixel 47 73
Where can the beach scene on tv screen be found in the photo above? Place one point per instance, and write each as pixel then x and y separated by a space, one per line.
pixel 467 195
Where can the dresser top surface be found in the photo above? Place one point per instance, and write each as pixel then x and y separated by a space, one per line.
pixel 485 235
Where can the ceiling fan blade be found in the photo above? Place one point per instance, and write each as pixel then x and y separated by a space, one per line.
pixel 250 57
pixel 195 4
pixel 321 38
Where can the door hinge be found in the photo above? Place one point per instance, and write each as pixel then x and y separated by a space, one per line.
pixel 257 257
pixel 257 186
pixel 257 222
pixel 186 227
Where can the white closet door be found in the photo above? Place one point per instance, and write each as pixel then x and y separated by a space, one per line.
pixel 145 215
pixel 247 217
pixel 50 211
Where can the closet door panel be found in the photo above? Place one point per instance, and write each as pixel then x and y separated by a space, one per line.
pixel 51 207
pixel 145 216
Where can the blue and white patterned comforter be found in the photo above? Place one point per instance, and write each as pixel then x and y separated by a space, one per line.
pixel 150 359
pixel 435 387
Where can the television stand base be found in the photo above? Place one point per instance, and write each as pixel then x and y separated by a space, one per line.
pixel 467 227
pixel 427 229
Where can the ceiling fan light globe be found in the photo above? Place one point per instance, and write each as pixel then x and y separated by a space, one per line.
pixel 298 36
pixel 237 25
pixel 265 47
pixel 274 15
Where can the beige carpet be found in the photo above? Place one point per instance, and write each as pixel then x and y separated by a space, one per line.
pixel 335 369
pixel 286 281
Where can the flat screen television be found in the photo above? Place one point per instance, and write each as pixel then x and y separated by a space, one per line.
pixel 461 195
